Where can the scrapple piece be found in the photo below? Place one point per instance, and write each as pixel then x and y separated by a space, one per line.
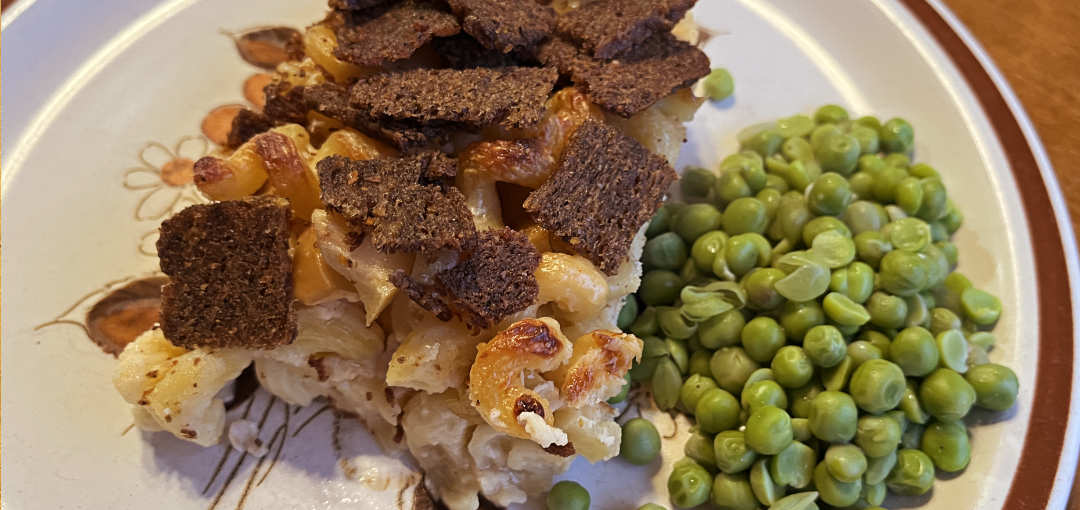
pixel 607 186
pixel 230 275
pixel 511 97
pixel 505 25
pixel 497 280
pixel 392 32
pixel 247 124
pixel 633 82
pixel 402 202
pixel 332 100
pixel 463 52
pixel 609 28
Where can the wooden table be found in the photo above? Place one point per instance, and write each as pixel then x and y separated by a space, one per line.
pixel 1035 45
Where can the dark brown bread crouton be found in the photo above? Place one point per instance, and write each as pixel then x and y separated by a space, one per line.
pixel 401 202
pixel 333 101
pixel 505 25
pixel 392 32
pixel 230 275
pixel 510 97
pixel 355 5
pixel 607 186
pixel 634 82
pixel 463 52
pixel 496 280
pixel 246 124
pixel 609 28
pixel 285 105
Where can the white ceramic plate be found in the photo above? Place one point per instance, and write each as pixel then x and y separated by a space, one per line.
pixel 95 89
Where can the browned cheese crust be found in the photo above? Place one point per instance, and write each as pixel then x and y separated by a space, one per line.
pixel 496 280
pixel 403 202
pixel 609 28
pixel 230 275
pixel 392 32
pixel 505 25
pixel 510 97
pixel 607 186
pixel 625 86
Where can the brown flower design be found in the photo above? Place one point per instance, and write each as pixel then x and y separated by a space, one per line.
pixel 166 177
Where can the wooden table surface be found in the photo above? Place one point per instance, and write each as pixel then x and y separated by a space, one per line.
pixel 1036 46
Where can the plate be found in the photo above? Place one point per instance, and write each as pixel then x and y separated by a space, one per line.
pixel 94 110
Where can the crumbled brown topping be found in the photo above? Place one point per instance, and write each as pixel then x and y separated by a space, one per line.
pixel 609 28
pixel 651 71
pixel 505 25
pixel 606 187
pixel 355 5
pixel 285 105
pixel 392 32
pixel 566 450
pixel 476 98
pixel 464 52
pixel 247 124
pixel 496 280
pixel 230 275
pixel 333 101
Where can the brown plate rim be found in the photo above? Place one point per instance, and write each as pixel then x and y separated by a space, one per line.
pixel 1031 486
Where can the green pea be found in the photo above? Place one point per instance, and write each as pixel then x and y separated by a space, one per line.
pixel 800 429
pixel 886 182
pixel 745 215
pixel 733 455
pixel 623 393
pixel 983 339
pixel 838 153
pixel 795 126
pixel 801 399
pixel 824 346
pixel 833 417
pixel 846 463
pixel 689 485
pixel 835 492
pixel 878 468
pixel 903 273
pixel 877 386
pixel 640 442
pixel 768 430
pixel 952 290
pixel 699 363
pixel 946 395
pixel 673 324
pixel 908 234
pixel 695 220
pixel 938 232
pixel 835 378
pixel 877 436
pixel 646 324
pixel 910 405
pixel 995 386
pixel 842 310
pixel 760 291
pixel 730 186
pixel 953 217
pixel 874 495
pixel 913 474
pixel 862 184
pixel 763 393
pixel 706 248
pixel 694 276
pixel 860 282
pixel 867 137
pixel 776 182
pixel 830 114
pixel 744 252
pixel 628 313
pixel 660 287
pixel 832 248
pixel 733 492
pixel 915 351
pixel 935 200
pixel 761 338
pixel 897 136
pixel 716 411
pixel 942 320
pixel 822 132
pixel 719 85
pixel 660 221
pixel 821 225
pixel 765 489
pixel 700 448
pixel 808 281
pixel 829 195
pixel 909 195
pixel 721 331
pixel 980 307
pixel 792 216
pixel 912 436
pixel 951 253
pixel 864 216
pixel 871 164
pixel 731 367
pixel 952 350
pixel 918 313
pixel 794 466
pixel 878 340
pixel 798 318
pixel 650 506
pixel 771 199
pixel 792 367
pixel 665 251
pixel 947 444
pixel 696 183
pixel 861 351
pixel 886 311
pixel 567 495
pixel 766 142
pixel 871 247
pixel 695 386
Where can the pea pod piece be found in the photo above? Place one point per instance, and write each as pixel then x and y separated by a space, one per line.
pixel 628 313
pixel 721 331
pixel 666 383
pixel 646 324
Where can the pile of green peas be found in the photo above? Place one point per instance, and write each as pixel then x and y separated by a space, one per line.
pixel 803 307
